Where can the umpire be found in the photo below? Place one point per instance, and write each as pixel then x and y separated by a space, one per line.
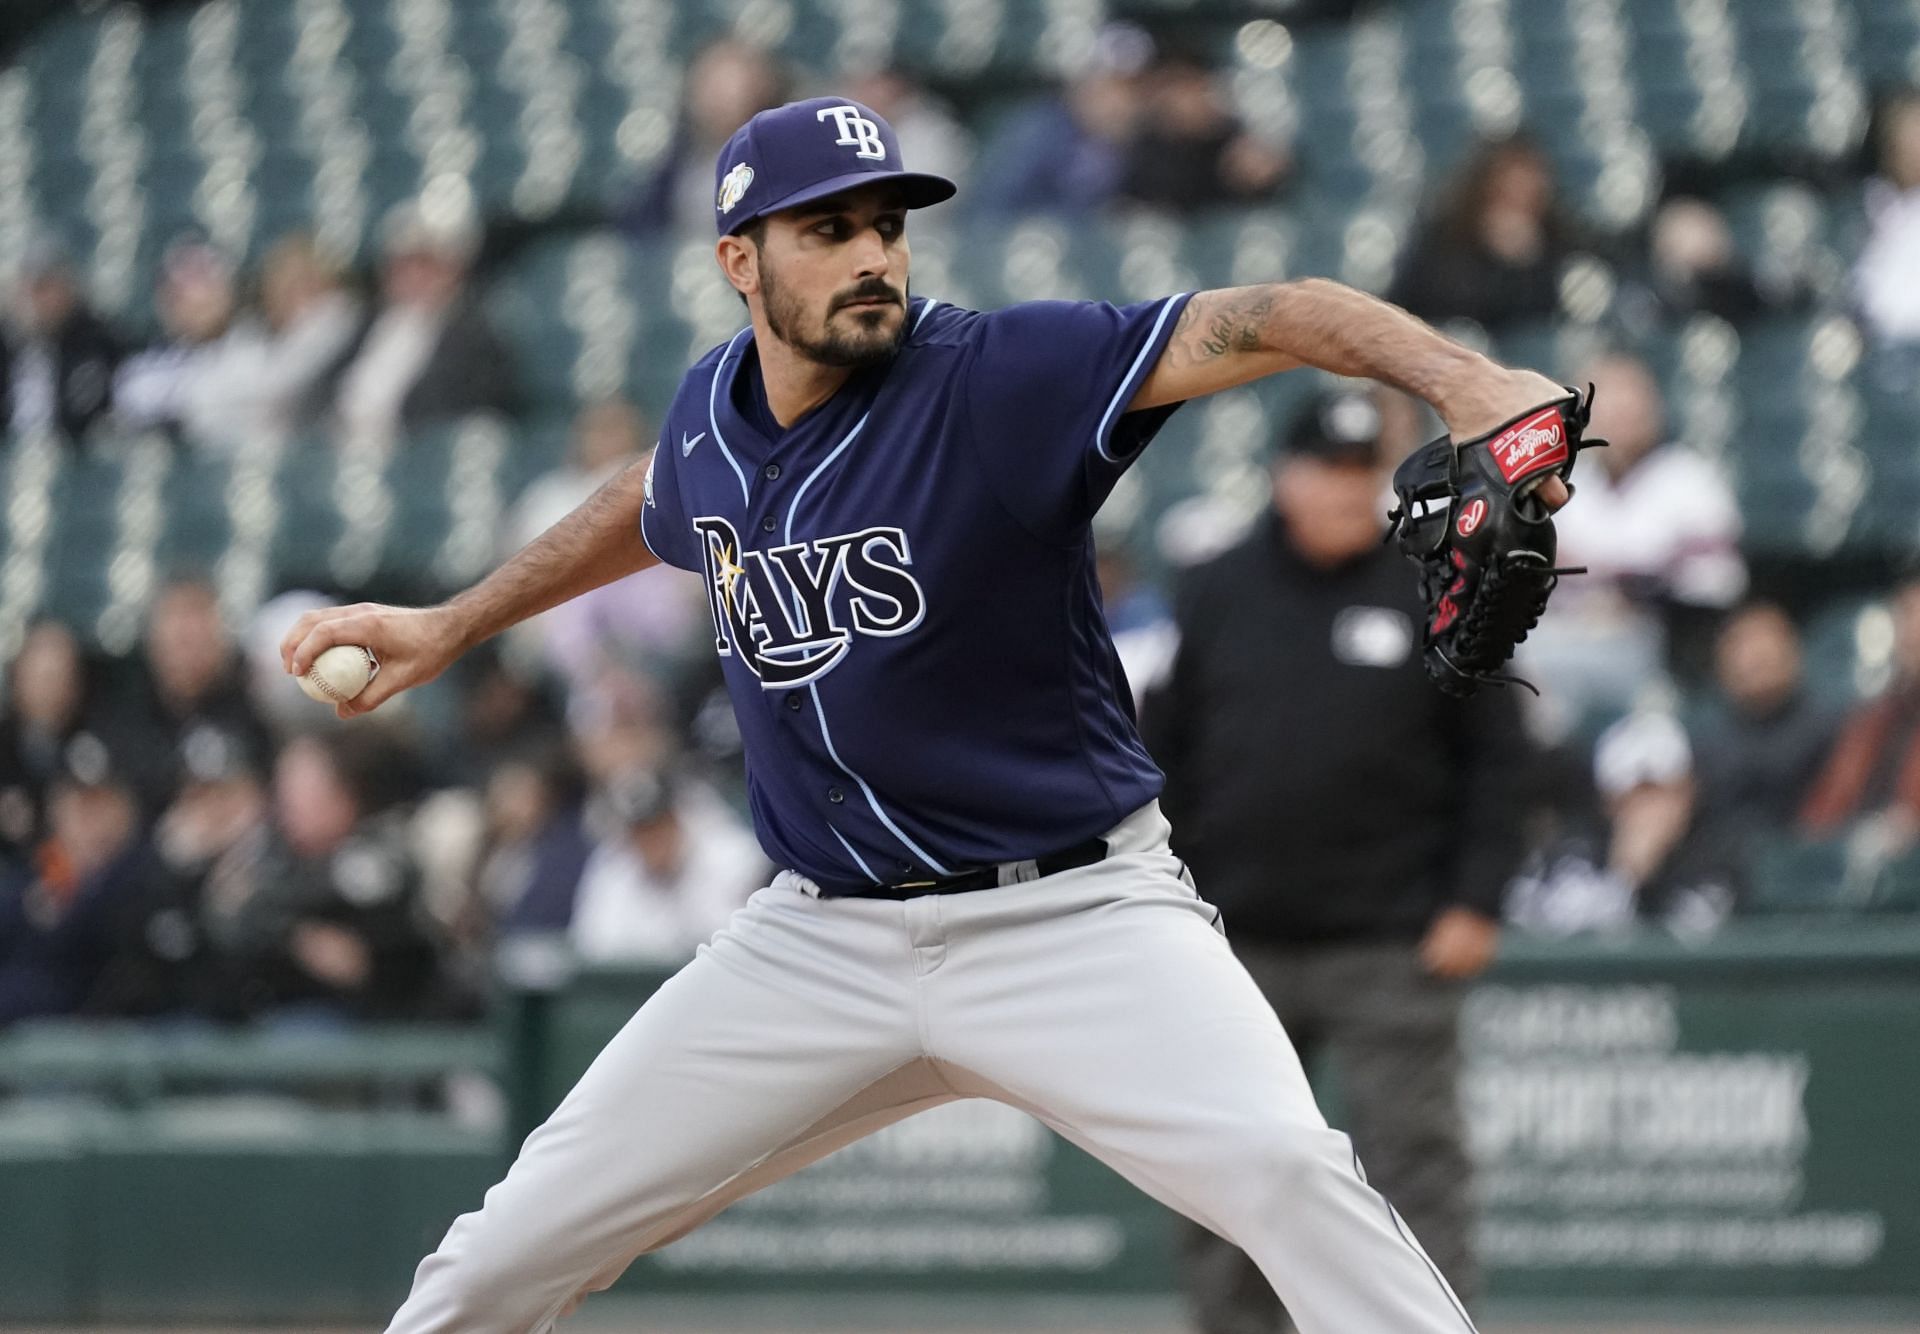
pixel 1355 826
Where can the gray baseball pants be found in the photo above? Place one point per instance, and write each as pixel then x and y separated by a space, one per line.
pixel 1391 1029
pixel 1102 1000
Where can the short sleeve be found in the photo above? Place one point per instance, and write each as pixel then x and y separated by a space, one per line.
pixel 663 520
pixel 1047 389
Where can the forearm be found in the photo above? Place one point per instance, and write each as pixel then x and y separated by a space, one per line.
pixel 1237 334
pixel 1340 329
pixel 596 544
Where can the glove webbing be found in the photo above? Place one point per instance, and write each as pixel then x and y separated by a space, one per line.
pixel 1480 619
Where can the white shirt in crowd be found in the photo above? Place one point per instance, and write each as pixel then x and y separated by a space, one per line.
pixel 211 391
pixel 1672 521
pixel 301 354
pixel 624 913
pixel 389 363
pixel 36 395
pixel 240 388
pixel 1887 277
pixel 1670 526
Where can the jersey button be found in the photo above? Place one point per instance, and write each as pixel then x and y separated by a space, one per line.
pixel 769 523
pixel 835 795
pixel 793 700
pixel 771 472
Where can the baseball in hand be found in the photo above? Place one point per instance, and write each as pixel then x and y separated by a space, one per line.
pixel 339 674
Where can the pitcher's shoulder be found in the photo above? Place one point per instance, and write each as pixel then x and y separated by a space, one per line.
pixel 932 322
pixel 701 373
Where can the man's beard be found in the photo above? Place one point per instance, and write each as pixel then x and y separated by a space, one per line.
pixel 870 345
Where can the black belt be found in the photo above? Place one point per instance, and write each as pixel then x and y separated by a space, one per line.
pixel 986 877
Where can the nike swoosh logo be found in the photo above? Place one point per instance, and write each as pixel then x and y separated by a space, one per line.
pixel 686 445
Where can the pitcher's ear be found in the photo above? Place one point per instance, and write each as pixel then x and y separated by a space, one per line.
pixel 740 261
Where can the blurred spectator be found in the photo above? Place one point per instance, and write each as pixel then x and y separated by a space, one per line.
pixel 646 617
pixel 504 711
pixel 1650 858
pixel 1873 772
pixel 193 677
pixel 1067 154
pixel 667 875
pixel 58 362
pixel 607 436
pixel 622 722
pixel 324 926
pixel 1190 152
pixel 1887 278
pixel 1494 251
pixel 1760 748
pixel 727 84
pixel 57 918
pixel 202 379
pixel 930 138
pixel 310 319
pixel 46 706
pixel 1355 826
pixel 210 840
pixel 1658 529
pixel 537 843
pixel 427 353
pixel 1693 267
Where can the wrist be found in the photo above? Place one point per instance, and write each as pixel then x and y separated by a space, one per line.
pixel 1467 388
pixel 462 622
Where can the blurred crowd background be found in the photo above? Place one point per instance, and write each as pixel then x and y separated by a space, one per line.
pixel 337 299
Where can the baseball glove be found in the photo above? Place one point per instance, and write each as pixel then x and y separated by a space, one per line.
pixel 1484 542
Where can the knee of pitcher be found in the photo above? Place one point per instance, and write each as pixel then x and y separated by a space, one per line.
pixel 1281 1166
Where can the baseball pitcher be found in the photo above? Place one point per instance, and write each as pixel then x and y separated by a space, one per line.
pixel 889 501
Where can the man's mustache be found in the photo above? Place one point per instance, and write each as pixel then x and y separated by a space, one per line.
pixel 873 290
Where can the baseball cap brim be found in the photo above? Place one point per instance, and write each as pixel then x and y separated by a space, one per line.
pixel 917 188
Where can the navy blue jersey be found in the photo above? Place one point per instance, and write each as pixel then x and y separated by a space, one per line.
pixel 902 587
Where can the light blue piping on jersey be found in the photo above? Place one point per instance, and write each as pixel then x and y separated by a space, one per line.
pixel 868 870
pixel 713 418
pixel 925 311
pixel 1127 385
pixel 820 711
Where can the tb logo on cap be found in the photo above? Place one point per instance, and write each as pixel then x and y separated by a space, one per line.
pixel 856 132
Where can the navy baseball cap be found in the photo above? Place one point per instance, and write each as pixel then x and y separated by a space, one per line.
pixel 804 151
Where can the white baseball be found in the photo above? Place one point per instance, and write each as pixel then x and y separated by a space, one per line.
pixel 339 674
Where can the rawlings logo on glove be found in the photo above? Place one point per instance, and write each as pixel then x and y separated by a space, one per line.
pixel 1485 544
pixel 1534 445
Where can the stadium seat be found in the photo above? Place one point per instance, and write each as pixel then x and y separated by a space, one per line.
pixel 1794 876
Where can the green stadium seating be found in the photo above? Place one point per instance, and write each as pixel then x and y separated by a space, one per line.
pixel 1793 876
pixel 1827 460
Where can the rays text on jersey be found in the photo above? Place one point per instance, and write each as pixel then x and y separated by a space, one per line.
pixel 790 613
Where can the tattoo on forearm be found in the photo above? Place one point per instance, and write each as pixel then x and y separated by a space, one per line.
pixel 1232 335
pixel 1216 323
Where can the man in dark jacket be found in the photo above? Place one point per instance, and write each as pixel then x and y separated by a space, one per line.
pixel 191 676
pixel 58 374
pixel 1355 826
pixel 1759 749
pixel 58 918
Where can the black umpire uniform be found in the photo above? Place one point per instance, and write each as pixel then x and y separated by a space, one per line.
pixel 1336 806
